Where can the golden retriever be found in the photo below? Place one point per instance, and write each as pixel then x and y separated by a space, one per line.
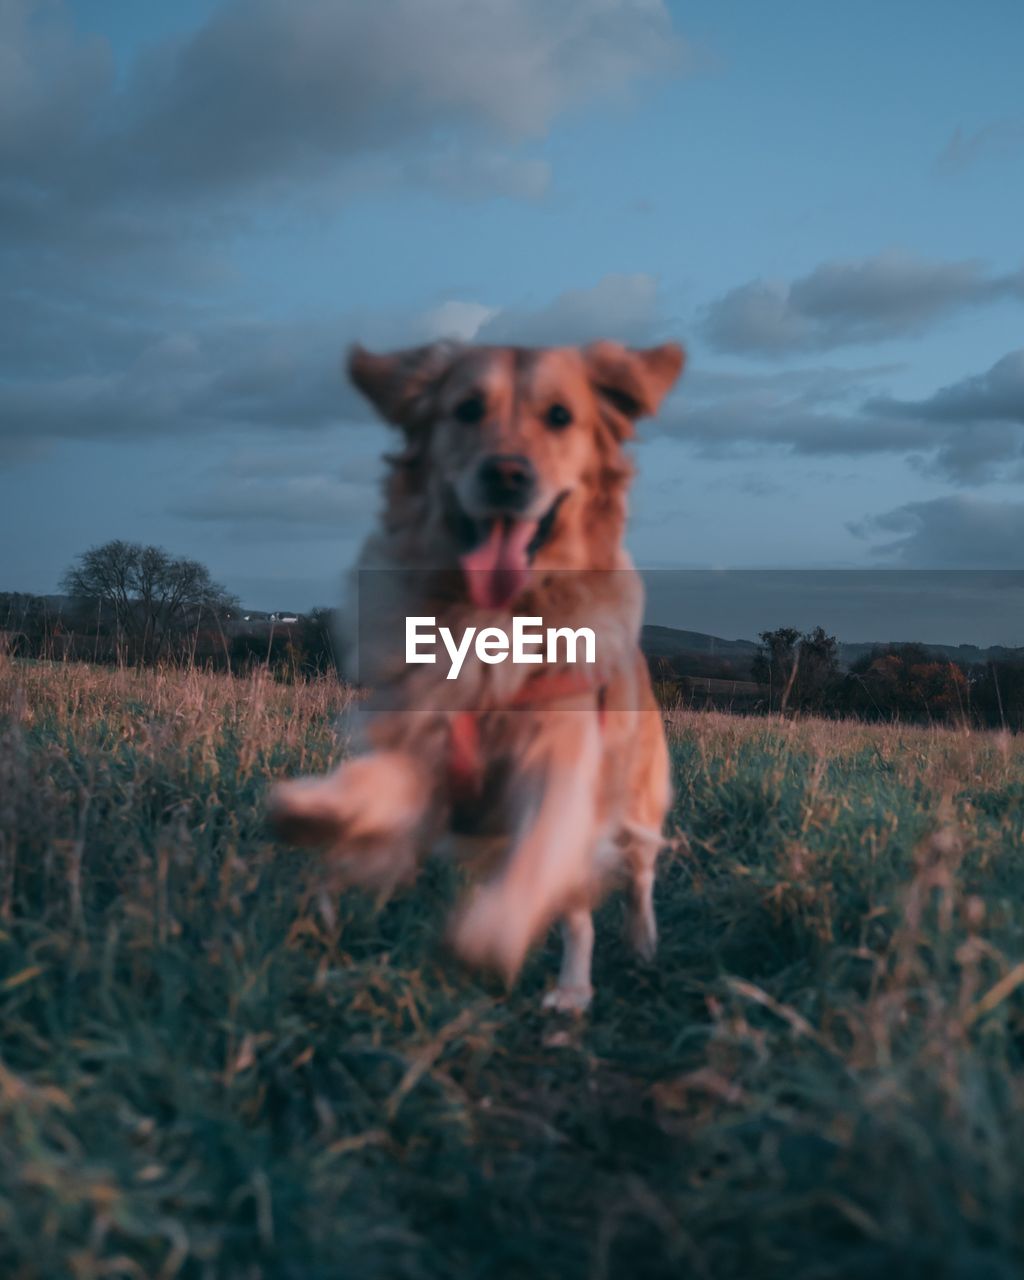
pixel 508 497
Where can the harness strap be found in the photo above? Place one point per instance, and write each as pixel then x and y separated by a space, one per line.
pixel 464 755
pixel 464 767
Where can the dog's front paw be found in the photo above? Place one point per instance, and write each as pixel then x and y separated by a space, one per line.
pixel 368 816
pixel 373 798
pixel 489 934
pixel 568 999
pixel 305 812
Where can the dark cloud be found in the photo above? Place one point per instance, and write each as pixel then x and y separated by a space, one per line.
pixel 275 87
pixel 118 188
pixel 183 384
pixel 976 423
pixel 994 396
pixel 269 93
pixel 810 385
pixel 959 531
pixel 840 303
pixel 736 423
pixel 314 501
pixel 311 489
pixel 285 381
pixel 284 378
pixel 288 382
pixel 970 433
pixel 802 410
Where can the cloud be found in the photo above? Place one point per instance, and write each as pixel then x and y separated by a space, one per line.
pixel 840 303
pixel 971 432
pixel 182 384
pixel 267 94
pixel 310 487
pixel 959 531
pixel 799 384
pixel 282 378
pixel 281 86
pixel 285 382
pixel 625 307
pixel 740 426
pixel 803 410
pixel 315 501
pixel 994 396
pixel 105 379
pixel 119 188
pixel 52 84
pixel 963 150
pixel 976 423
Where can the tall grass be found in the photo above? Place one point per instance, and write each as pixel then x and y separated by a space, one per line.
pixel 210 1068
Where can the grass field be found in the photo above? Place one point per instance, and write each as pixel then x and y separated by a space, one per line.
pixel 208 1068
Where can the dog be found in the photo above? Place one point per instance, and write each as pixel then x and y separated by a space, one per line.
pixel 507 497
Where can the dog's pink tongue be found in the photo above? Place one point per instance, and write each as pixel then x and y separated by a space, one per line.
pixel 497 570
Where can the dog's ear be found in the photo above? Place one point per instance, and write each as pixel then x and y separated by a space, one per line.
pixel 633 382
pixel 399 384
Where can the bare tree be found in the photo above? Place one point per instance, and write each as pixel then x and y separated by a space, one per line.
pixel 150 595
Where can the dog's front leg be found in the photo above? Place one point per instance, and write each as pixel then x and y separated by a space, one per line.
pixel 369 812
pixel 573 991
pixel 550 863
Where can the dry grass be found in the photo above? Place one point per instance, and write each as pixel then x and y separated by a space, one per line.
pixel 207 1068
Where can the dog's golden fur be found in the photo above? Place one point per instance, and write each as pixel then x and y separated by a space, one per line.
pixel 580 792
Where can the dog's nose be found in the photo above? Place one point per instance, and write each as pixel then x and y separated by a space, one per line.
pixel 507 480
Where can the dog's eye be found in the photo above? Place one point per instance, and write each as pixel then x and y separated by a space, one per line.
pixel 558 416
pixel 470 410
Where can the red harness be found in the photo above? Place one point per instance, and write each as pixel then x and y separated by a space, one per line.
pixel 464 767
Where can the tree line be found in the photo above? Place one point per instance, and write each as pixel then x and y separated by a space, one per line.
pixel 129 604
pixel 800 673
pixel 132 604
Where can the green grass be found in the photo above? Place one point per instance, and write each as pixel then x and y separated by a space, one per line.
pixel 210 1068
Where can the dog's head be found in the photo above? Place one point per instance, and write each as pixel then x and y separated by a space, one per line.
pixel 517 451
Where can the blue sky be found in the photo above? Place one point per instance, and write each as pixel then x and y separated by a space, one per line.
pixel 202 204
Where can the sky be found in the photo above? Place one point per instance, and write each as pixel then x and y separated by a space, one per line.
pixel 202 204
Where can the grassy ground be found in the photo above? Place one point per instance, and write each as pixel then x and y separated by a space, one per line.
pixel 208 1069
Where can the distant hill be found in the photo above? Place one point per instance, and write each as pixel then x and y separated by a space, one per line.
pixel 668 641
pixel 694 653
pixel 968 654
